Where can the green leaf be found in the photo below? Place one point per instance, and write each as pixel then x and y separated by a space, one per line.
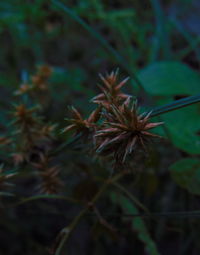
pixel 177 104
pixel 170 78
pixel 165 80
pixel 183 126
pixel 138 224
pixel 186 173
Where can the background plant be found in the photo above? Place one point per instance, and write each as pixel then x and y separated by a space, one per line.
pixel 43 70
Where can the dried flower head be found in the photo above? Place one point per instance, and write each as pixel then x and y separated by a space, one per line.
pixel 122 130
pixel 47 130
pixel 39 81
pixel 32 136
pixel 50 182
pixel 24 88
pixel 45 71
pixel 24 116
pixel 111 90
pixel 81 125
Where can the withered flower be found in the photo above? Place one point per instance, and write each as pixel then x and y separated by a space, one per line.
pixel 24 116
pixel 24 88
pixel 81 125
pixel 39 81
pixel 50 182
pixel 32 137
pixel 111 90
pixel 123 129
pixel 45 71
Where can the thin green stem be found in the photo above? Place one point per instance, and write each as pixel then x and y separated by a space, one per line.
pixel 161 31
pixel 176 214
pixel 98 36
pixel 131 197
pixel 66 232
pixel 175 105
pixel 187 36
pixel 43 196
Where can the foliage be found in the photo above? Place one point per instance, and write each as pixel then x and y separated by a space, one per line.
pixel 186 173
pixel 137 223
pixel 98 182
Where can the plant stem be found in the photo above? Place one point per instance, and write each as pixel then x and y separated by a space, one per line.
pixel 99 37
pixel 44 196
pixel 154 215
pixel 67 231
pixel 175 105
pixel 131 197
pixel 161 31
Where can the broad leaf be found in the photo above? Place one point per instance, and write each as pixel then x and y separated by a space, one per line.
pixel 186 173
pixel 183 126
pixel 170 78
pixel 167 79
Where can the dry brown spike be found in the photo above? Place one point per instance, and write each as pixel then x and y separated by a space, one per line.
pixel 111 90
pixel 122 130
pixel 81 125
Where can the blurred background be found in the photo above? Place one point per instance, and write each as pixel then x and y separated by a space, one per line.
pixel 154 42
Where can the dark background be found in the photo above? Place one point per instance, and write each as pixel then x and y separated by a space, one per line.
pixel 154 42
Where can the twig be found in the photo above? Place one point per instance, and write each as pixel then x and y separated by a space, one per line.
pixel 131 197
pixel 67 231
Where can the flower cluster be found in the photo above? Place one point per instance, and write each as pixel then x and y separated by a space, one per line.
pixel 111 90
pixel 28 136
pixel 33 142
pixel 116 126
pixel 39 81
pixel 50 182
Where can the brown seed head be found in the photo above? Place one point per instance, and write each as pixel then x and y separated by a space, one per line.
pixel 111 90
pixel 24 115
pixel 50 181
pixel 81 125
pixel 123 129
pixel 45 71
pixel 24 88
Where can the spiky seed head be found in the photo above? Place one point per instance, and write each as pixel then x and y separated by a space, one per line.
pixel 123 130
pixel 81 125
pixel 111 90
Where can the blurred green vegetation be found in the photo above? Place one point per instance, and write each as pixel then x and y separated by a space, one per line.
pixel 154 42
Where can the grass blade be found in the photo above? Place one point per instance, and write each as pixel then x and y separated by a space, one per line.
pixel 98 36
pixel 175 105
